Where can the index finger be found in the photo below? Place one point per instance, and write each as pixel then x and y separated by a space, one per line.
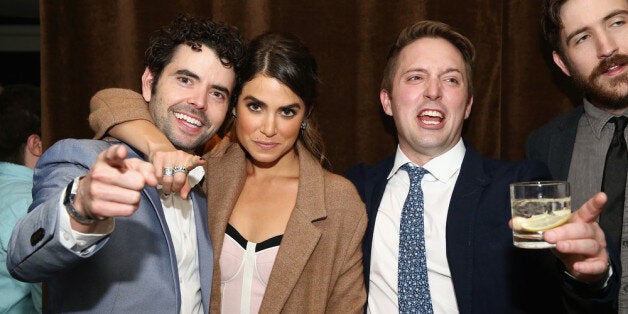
pixel 115 155
pixel 590 211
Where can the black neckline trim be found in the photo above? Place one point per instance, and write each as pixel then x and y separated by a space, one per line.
pixel 268 243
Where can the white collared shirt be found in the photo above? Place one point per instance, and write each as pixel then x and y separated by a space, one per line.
pixel 179 215
pixel 438 186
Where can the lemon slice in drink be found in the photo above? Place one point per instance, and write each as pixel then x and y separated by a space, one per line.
pixel 546 221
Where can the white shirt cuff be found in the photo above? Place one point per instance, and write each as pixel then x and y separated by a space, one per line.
pixel 77 241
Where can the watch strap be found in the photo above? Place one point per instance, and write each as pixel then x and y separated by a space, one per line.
pixel 68 202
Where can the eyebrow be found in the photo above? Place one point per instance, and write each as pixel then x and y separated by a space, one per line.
pixel 290 106
pixel 248 97
pixel 188 73
pixel 195 76
pixel 584 28
pixel 448 70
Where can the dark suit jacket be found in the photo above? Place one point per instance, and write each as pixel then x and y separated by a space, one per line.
pixel 489 274
pixel 553 143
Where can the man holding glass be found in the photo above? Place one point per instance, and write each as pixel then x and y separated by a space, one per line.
pixel 587 145
pixel 438 238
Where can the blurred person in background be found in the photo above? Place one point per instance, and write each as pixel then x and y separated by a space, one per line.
pixel 20 148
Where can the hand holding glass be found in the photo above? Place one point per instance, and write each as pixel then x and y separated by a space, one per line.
pixel 537 207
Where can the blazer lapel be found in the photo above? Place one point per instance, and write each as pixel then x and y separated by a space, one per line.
pixel 300 237
pixel 153 197
pixel 375 185
pixel 462 212
pixel 205 253
pixel 562 144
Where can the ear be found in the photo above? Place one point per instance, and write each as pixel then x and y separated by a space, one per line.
pixel 467 112
pixel 147 84
pixel 384 98
pixel 560 63
pixel 34 145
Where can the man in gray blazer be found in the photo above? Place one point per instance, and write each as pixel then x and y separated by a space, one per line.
pixel 589 39
pixel 99 233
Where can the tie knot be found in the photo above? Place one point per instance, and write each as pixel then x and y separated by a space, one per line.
pixel 416 173
pixel 620 123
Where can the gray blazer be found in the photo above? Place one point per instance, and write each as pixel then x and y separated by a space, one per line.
pixel 130 271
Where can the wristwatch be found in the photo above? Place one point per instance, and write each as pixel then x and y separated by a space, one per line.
pixel 68 202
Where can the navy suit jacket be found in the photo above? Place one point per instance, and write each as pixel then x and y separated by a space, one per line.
pixel 489 274
pixel 132 270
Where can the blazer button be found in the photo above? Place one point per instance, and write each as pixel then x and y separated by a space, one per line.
pixel 37 236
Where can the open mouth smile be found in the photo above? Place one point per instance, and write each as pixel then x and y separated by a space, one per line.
pixel 431 117
pixel 195 122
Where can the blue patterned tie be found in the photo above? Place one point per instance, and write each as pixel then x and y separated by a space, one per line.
pixel 414 289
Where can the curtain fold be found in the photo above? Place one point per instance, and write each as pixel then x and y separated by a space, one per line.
pixel 90 45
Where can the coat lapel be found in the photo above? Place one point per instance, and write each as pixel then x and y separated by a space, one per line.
pixel 300 237
pixel 461 216
pixel 225 173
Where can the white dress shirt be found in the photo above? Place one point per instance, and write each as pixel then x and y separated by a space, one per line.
pixel 438 186
pixel 179 215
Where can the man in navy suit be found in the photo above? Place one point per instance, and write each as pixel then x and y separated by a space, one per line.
pixel 589 39
pixel 99 233
pixel 472 265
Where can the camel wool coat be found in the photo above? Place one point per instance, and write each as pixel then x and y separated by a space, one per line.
pixel 318 268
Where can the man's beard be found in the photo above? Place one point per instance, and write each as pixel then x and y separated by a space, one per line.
pixel 606 97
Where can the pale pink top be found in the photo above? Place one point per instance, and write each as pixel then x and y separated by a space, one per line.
pixel 244 271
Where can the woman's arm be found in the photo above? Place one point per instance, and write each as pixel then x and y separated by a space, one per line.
pixel 349 294
pixel 124 115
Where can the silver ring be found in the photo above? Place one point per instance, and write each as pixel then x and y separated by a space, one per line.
pixel 168 172
pixel 180 168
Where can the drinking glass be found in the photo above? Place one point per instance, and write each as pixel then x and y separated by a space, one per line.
pixel 537 207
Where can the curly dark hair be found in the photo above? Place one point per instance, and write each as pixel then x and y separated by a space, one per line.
pixel 223 39
pixel 20 112
pixel 285 57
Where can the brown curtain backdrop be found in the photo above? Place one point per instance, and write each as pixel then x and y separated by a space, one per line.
pixel 90 45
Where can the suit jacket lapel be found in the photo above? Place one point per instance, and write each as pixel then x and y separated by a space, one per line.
pixel 153 197
pixel 562 144
pixel 205 253
pixel 462 212
pixel 375 185
pixel 300 237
